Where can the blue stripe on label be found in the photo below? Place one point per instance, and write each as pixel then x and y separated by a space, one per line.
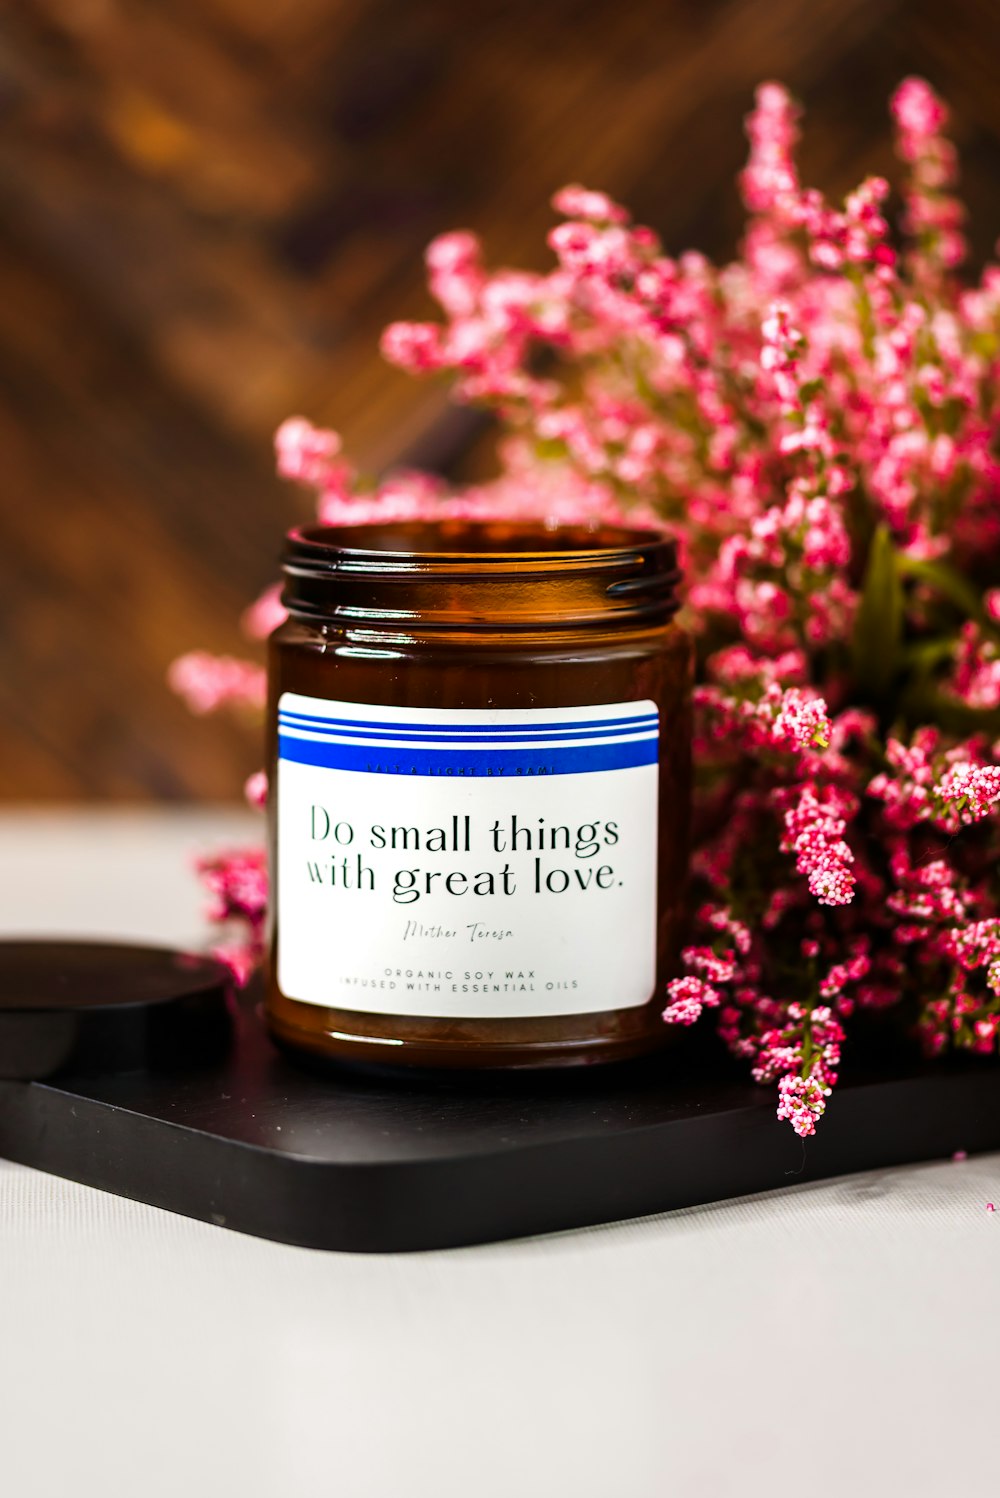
pixel 307 720
pixel 464 736
pixel 482 762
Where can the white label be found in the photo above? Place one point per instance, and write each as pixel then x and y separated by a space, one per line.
pixel 471 863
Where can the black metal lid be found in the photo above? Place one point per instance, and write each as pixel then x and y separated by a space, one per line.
pixel 99 1006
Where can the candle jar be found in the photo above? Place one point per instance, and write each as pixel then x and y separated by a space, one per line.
pixel 480 791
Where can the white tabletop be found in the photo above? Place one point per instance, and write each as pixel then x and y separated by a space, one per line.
pixel 825 1340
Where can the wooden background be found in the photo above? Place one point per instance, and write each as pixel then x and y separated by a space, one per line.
pixel 209 208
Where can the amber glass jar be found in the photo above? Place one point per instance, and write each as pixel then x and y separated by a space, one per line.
pixel 480 772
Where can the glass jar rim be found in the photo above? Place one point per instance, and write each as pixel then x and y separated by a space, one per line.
pixel 480 573
pixel 382 541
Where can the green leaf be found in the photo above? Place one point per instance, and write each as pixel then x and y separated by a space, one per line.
pixel 922 702
pixel 547 449
pixel 878 629
pixel 946 581
pixel 924 656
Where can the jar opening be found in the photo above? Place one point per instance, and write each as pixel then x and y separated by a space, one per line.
pixel 492 574
pixel 462 538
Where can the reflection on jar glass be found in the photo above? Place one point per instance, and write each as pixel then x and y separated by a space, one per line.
pixel 480 773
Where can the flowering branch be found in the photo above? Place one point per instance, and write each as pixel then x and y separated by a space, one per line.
pixel 818 423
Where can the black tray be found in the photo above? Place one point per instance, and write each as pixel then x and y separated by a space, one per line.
pixel 368 1163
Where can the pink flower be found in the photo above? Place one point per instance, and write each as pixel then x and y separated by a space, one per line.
pixel 802 722
pixel 241 958
pixel 770 181
pixel 919 112
pixel 456 274
pixel 815 823
pixel 950 789
pixel 581 202
pixel 237 886
pixel 255 790
pixel 207 682
pixel 841 974
pixel 933 217
pixel 802 1101
pixel 752 711
pixel 976 678
pixel 588 250
pixel 688 997
pixel 264 616
pixel 968 793
pixel 927 896
pixel 413 346
pixel 305 452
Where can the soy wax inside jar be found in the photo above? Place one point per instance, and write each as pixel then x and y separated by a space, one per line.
pixel 480 791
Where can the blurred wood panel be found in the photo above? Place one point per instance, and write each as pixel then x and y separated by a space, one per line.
pixel 208 211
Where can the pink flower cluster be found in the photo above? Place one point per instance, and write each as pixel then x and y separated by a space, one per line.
pixel 818 423
pixel 933 216
pixel 949 787
pixel 976 677
pixel 815 823
pixel 749 703
pixel 207 682
pixel 237 885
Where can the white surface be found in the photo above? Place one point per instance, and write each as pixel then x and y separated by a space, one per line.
pixel 834 1339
